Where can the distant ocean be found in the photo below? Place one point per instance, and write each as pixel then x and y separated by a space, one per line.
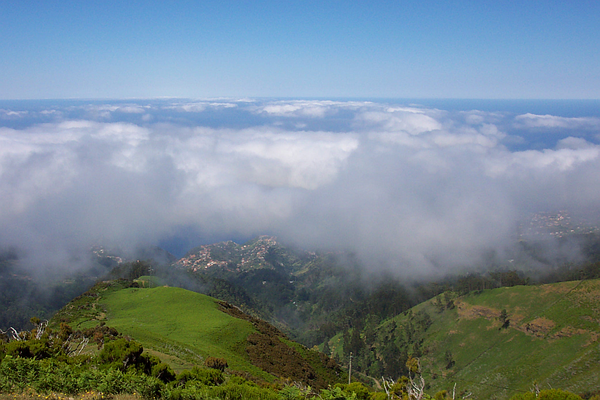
pixel 241 113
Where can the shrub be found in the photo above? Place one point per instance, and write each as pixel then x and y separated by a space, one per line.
pixel 557 394
pixel 359 389
pixel 148 387
pixel 120 354
pixel 337 393
pixel 241 391
pixel 551 394
pixel 291 393
pixel 163 372
pixel 112 382
pixel 206 377
pixel 216 363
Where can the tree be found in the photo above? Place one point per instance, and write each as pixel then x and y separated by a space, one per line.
pixel 449 359
pixel 504 319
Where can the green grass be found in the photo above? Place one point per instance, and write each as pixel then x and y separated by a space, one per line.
pixel 183 324
pixel 148 281
pixel 495 363
pixel 179 326
pixel 182 328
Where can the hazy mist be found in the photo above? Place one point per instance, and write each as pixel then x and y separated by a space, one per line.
pixel 410 188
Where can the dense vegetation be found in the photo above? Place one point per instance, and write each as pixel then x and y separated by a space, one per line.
pixel 321 300
pixel 55 358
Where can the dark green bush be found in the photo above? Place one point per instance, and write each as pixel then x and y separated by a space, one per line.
pixel 206 377
pixel 120 354
pixel 163 372
pixel 242 391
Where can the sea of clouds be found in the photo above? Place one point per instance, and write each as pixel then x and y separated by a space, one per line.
pixel 411 188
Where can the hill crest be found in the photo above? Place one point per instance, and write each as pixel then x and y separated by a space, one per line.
pixel 183 328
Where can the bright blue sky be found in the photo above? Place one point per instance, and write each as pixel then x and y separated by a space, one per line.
pixel 397 49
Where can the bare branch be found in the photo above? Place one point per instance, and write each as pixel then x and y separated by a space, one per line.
pixel 416 386
pixel 40 329
pixel 14 334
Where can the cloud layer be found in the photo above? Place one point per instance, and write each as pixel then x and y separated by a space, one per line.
pixel 410 188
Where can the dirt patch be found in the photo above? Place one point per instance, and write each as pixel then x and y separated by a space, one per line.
pixel 468 311
pixel 494 325
pixel 594 336
pixel 539 327
pixel 515 318
pixel 587 296
pixel 591 319
pixel 558 288
pixel 568 331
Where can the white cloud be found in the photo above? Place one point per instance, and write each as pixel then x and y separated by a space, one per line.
pixel 477 117
pixel 555 122
pixel 10 114
pixel 408 187
pixel 301 159
pixel 423 128
pixel 569 154
pixel 562 159
pixel 200 106
pixel 298 109
pixel 131 109
pixel 307 108
pixel 264 156
pixel 106 110
pixel 410 121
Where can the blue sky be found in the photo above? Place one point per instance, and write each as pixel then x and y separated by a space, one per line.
pixel 331 49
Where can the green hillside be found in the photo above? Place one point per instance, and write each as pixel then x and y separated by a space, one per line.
pixel 547 334
pixel 183 328
pixel 173 320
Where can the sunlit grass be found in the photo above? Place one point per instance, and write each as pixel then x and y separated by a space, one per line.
pixel 181 323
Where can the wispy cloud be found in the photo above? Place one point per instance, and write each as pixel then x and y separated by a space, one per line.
pixel 199 106
pixel 555 122
pixel 307 108
pixel 10 114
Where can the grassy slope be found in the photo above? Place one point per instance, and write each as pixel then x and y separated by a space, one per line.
pixel 180 322
pixel 179 326
pixel 560 349
pixel 183 328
